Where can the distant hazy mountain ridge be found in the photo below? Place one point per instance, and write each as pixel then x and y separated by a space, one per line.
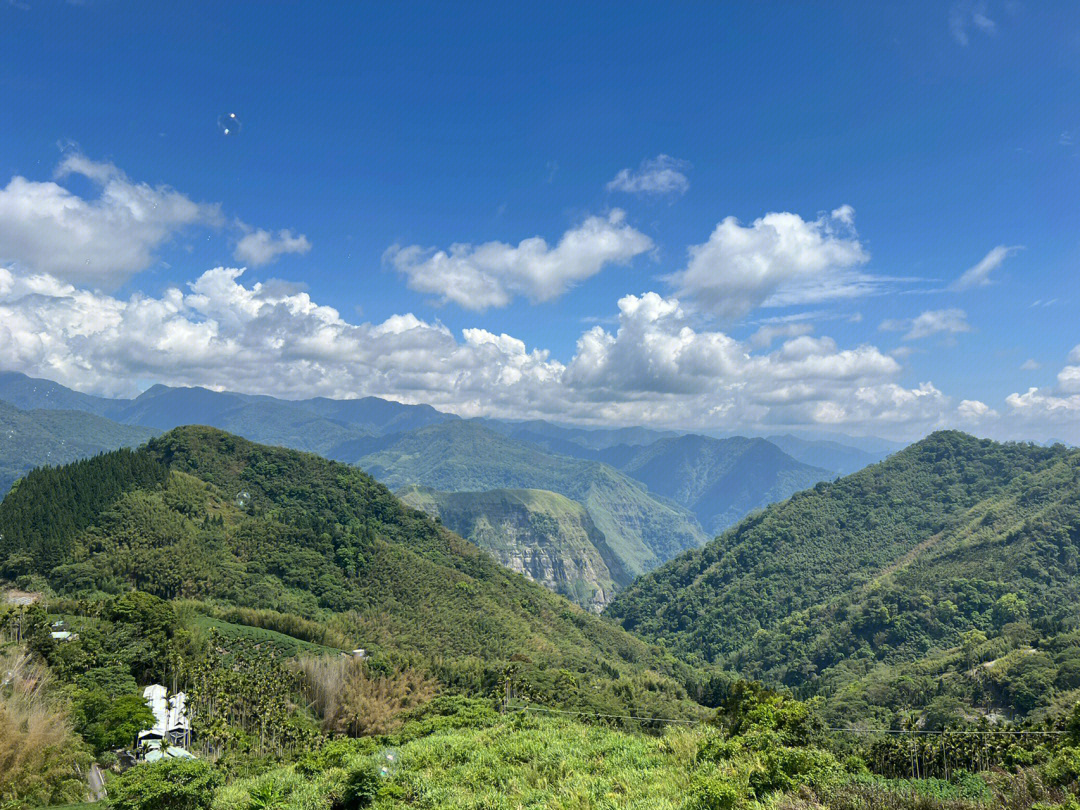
pixel 720 480
pixel 35 438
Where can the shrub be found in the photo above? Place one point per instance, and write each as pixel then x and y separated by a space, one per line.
pixel 714 792
pixel 333 754
pixel 1064 768
pixel 354 701
pixel 361 788
pixel 176 784
pixel 40 757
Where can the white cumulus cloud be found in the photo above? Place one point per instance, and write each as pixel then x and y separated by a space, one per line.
pixel 972 410
pixel 1058 406
pixel 778 260
pixel 655 367
pixel 768 333
pixel 931 322
pixel 479 277
pixel 660 175
pixel 46 228
pixel 259 246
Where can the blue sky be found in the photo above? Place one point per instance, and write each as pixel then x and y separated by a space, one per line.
pixel 896 146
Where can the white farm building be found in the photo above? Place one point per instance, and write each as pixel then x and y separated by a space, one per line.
pixel 171 725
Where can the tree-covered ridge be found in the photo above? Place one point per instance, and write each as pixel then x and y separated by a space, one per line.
pixel 543 535
pixel 459 456
pixel 984 613
pixel 198 513
pixel 948 515
pixel 32 438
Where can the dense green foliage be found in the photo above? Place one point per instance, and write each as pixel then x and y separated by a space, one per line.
pixel 239 573
pixel 762 750
pixel 41 518
pixel 720 480
pixel 166 785
pixel 200 514
pixel 869 589
pixel 641 530
pixel 544 535
pixel 35 438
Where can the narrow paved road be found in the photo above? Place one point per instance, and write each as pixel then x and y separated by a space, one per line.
pixel 96 780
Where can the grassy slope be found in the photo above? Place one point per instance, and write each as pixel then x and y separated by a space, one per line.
pixel 641 530
pixel 32 438
pixel 544 535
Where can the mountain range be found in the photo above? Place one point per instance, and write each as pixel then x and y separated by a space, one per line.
pixel 317 425
pixel 647 495
pixel 640 530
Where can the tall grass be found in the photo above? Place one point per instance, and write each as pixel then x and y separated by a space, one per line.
pixel 351 700
pixel 41 760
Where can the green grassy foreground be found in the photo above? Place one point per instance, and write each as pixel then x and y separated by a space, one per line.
pixel 475 759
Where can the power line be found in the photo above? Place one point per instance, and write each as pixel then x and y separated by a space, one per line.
pixel 609 716
pixel 951 732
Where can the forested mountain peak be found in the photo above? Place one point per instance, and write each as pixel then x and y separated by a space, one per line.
pixel 879 568
pixel 199 513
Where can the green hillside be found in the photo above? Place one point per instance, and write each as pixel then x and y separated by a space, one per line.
pixel 642 531
pixel 200 514
pixel 720 480
pixel 952 553
pixel 543 535
pixel 34 438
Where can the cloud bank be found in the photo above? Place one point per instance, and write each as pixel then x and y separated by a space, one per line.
pixel 654 367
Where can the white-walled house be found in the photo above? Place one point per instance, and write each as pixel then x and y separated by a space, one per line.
pixel 171 725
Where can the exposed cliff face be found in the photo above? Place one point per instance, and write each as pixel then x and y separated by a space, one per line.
pixel 642 530
pixel 542 535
